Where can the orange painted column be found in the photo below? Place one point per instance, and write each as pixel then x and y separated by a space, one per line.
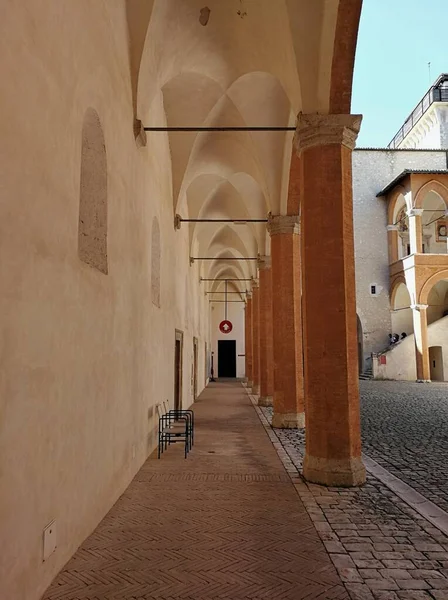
pixel 255 338
pixel 266 333
pixel 392 242
pixel 333 438
pixel 248 339
pixel 287 323
pixel 420 319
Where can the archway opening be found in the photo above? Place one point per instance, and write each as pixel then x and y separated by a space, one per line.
pixel 434 224
pixel 401 317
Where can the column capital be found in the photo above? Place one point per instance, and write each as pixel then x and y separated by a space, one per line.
pixel 323 130
pixel 255 284
pixel 264 262
pixel 248 295
pixel 392 228
pixel 284 224
pixel 414 212
pixel 418 307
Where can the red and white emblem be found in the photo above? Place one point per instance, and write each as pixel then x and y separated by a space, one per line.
pixel 225 326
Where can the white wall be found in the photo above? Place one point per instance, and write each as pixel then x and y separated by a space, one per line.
pixel 400 359
pixel 84 356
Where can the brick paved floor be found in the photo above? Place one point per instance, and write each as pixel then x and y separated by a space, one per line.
pixel 405 429
pixel 380 546
pixel 225 523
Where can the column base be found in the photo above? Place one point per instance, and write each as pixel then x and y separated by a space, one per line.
pixel 288 420
pixel 346 472
pixel 423 381
pixel 265 401
pixel 248 383
pixel 255 389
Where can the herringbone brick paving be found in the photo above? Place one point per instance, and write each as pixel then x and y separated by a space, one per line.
pixel 225 523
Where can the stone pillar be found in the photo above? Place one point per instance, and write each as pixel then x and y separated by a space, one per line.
pixel 287 323
pixel 419 317
pixel 255 338
pixel 248 338
pixel 333 439
pixel 266 342
pixel 415 230
pixel 392 242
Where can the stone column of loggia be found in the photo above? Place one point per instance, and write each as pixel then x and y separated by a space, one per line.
pixel 266 333
pixel 248 339
pixel 420 320
pixel 333 437
pixel 287 322
pixel 415 230
pixel 255 338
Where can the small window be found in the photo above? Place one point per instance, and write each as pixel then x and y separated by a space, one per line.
pixel 373 290
pixel 408 249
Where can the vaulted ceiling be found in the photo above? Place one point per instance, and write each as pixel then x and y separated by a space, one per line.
pixel 238 63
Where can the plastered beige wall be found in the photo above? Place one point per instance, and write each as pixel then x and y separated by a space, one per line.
pixel 84 356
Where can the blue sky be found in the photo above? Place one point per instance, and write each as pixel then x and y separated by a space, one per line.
pixel 397 39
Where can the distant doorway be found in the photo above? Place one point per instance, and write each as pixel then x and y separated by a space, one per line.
pixel 195 368
pixel 360 347
pixel 178 370
pixel 436 363
pixel 226 358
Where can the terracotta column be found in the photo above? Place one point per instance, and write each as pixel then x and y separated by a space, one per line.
pixel 415 230
pixel 333 440
pixel 287 322
pixel 248 339
pixel 419 317
pixel 255 338
pixel 392 242
pixel 266 342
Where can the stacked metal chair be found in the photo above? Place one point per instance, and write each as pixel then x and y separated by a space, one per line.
pixel 175 426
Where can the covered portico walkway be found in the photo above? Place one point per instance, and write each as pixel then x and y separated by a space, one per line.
pixel 225 523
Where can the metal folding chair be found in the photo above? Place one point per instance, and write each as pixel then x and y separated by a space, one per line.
pixel 173 429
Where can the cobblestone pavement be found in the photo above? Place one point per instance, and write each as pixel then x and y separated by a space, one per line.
pixel 380 546
pixel 405 429
pixel 226 523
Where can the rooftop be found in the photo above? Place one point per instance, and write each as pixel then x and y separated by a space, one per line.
pixel 407 172
pixel 438 92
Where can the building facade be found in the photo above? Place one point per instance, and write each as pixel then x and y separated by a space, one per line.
pixel 400 210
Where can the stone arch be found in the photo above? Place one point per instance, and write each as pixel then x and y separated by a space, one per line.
pixel 401 312
pixel 430 283
pixel 155 262
pixel 92 224
pixel 138 13
pixel 391 207
pixel 431 186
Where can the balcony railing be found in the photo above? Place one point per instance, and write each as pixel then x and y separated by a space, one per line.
pixel 438 93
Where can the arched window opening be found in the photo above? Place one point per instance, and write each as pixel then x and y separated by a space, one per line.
pixel 155 262
pixel 92 228
pixel 401 317
pixel 434 224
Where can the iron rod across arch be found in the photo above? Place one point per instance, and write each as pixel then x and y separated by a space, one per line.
pixel 226 279
pixel 222 258
pixel 190 129
pixel 222 220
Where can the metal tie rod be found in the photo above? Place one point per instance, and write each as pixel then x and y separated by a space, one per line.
pixel 186 129
pixel 181 220
pixel 226 279
pixel 228 301
pixel 210 292
pixel 221 258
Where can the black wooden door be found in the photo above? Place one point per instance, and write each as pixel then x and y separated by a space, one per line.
pixel 226 358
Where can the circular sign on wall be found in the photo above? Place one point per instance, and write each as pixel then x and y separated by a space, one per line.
pixel 225 327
